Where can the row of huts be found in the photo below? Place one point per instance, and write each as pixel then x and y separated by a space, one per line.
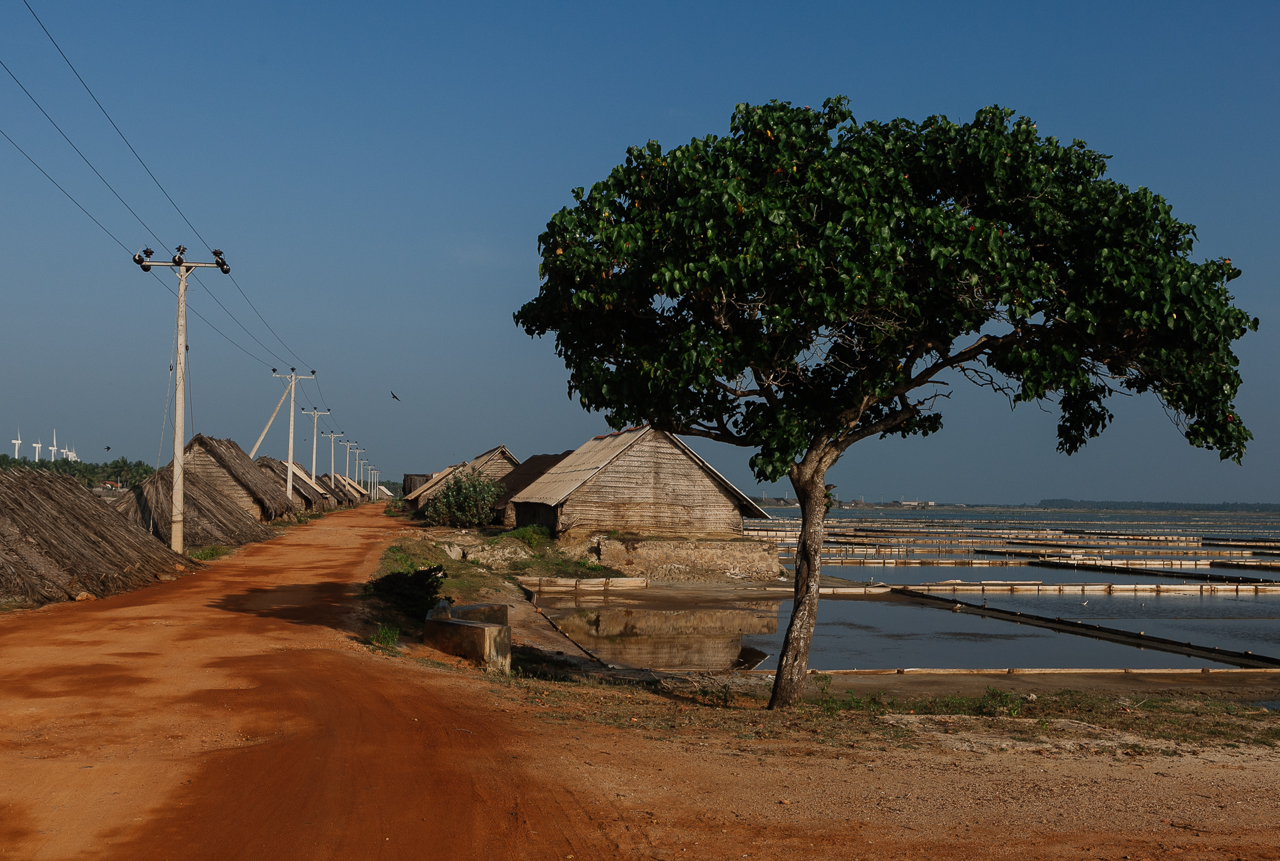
pixel 60 542
pixel 228 498
pixel 639 481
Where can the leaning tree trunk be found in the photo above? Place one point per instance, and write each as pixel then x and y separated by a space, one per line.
pixel 793 666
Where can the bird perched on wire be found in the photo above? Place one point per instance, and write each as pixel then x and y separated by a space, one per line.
pixel 393 396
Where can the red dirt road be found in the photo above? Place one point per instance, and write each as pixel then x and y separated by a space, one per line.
pixel 230 714
pixel 233 715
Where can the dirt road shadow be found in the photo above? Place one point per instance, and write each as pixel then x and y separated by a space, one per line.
pixel 323 604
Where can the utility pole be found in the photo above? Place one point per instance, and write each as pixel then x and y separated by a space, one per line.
pixel 293 378
pixel 358 451
pixel 346 470
pixel 183 268
pixel 315 425
pixel 263 435
pixel 333 478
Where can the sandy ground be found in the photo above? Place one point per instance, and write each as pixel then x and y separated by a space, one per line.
pixel 234 714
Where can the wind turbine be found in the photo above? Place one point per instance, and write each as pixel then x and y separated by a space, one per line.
pixel 37 446
pixel 17 443
pixel 68 454
pixel 53 449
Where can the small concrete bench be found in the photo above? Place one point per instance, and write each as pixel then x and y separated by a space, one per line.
pixel 477 632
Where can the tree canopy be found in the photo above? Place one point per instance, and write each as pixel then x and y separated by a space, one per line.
pixel 90 474
pixel 808 281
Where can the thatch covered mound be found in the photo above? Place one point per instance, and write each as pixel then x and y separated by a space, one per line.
pixel 307 494
pixel 208 517
pixel 225 466
pixel 345 496
pixel 58 541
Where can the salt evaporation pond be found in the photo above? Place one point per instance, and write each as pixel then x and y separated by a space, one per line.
pixel 894 634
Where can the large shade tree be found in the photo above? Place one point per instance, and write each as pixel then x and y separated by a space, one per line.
pixel 808 282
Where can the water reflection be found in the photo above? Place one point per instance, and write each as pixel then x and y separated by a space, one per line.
pixel 700 628
pixel 686 638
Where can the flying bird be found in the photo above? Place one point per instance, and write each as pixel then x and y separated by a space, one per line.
pixel 108 448
pixel 393 395
pixel 1084 603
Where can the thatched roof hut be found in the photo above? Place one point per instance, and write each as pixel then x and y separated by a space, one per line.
pixel 208 517
pixel 422 495
pixel 641 481
pixel 521 477
pixel 307 494
pixel 226 467
pixel 58 541
pixel 344 495
pixel 495 463
pixel 354 488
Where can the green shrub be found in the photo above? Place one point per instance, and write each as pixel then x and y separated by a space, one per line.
pixel 533 536
pixel 413 593
pixel 466 500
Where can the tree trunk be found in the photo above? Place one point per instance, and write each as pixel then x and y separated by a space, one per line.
pixel 793 665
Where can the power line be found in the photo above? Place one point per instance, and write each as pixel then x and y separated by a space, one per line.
pixel 83 157
pixel 113 122
pixel 117 241
pixel 237 320
pixel 159 185
pixel 63 190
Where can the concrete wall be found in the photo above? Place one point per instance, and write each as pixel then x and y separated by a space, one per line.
pixel 692 560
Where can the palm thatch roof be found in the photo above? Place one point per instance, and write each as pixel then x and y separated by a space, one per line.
pixel 311 494
pixel 58 541
pixel 344 495
pixel 353 487
pixel 208 516
pixel 268 497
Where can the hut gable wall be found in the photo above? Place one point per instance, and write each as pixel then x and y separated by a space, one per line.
pixel 200 462
pixel 652 488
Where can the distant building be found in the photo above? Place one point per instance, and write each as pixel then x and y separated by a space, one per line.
pixel 639 481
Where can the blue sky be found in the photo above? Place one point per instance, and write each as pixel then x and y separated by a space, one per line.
pixel 378 176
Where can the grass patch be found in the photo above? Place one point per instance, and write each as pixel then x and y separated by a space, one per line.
pixel 721 707
pixel 555 564
pixel 386 636
pixel 209 553
pixel 532 536
pixel 462 583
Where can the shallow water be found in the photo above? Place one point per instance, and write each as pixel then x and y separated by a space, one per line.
pixel 887 635
pixel 906 575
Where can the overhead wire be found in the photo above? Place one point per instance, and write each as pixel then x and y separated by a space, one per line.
pixel 172 202
pixel 126 205
pixel 159 185
pixel 117 241
pixel 83 157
